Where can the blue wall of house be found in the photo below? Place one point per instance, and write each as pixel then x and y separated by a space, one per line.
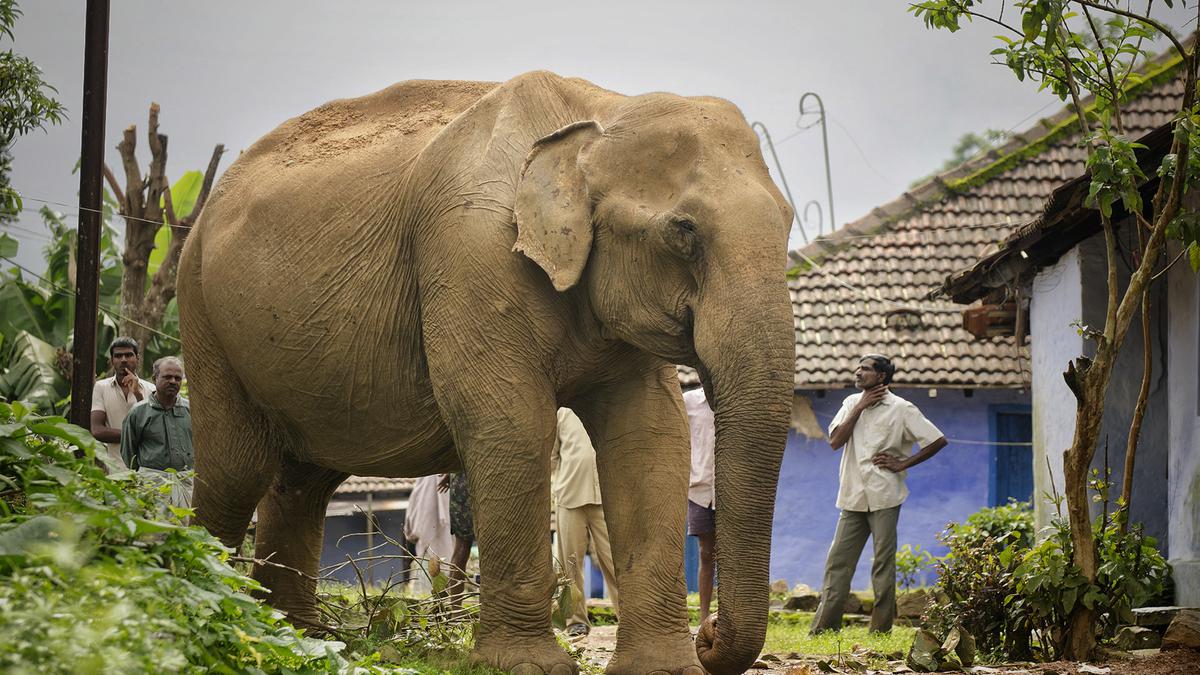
pixel 951 486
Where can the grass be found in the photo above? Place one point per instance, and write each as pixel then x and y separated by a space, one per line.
pixel 788 633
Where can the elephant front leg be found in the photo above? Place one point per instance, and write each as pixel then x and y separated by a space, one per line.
pixel 643 452
pixel 507 464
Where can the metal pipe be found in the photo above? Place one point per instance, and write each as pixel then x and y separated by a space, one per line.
pixel 825 143
pixel 87 285
pixel 820 215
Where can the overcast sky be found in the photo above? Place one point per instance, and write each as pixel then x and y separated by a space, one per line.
pixel 897 95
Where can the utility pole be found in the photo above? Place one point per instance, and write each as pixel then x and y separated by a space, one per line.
pixel 87 285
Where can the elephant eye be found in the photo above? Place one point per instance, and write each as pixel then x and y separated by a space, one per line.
pixel 680 235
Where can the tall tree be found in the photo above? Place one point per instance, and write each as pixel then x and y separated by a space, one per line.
pixel 1075 48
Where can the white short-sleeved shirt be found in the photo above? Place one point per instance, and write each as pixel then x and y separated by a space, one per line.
pixel 109 398
pixel 703 431
pixel 892 425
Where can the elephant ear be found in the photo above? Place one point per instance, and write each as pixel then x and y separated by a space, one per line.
pixel 553 209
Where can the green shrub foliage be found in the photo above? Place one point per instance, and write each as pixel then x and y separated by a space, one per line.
pixel 975 578
pixel 911 564
pixel 1015 595
pixel 1130 572
pixel 98 574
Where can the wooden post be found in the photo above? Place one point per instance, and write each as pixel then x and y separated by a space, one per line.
pixel 87 288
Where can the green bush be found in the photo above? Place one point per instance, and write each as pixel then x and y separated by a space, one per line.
pixel 1015 596
pixel 1010 524
pixel 911 563
pixel 1130 571
pixel 97 575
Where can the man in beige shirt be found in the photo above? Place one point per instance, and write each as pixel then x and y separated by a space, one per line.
pixel 579 513
pixel 877 430
pixel 112 397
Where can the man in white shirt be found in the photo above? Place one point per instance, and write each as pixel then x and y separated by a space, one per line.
pixel 579 513
pixel 702 514
pixel 112 397
pixel 878 430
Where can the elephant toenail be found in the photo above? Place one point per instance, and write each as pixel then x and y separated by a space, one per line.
pixel 693 670
pixel 527 669
pixel 562 669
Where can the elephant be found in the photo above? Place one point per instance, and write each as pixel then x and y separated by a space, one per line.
pixel 413 282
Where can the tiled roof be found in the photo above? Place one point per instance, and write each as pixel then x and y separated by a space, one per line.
pixel 363 484
pixel 887 263
pixel 1065 221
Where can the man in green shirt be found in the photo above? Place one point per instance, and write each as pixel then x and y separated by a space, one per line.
pixel 157 433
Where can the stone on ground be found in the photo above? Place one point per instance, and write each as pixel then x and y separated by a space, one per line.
pixel 1129 638
pixel 1154 616
pixel 1184 631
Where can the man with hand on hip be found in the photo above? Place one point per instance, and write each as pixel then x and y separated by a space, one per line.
pixel 877 429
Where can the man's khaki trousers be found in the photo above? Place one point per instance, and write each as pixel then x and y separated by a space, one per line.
pixel 853 527
pixel 574 526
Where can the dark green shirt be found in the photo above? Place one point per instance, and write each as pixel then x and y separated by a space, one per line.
pixel 155 437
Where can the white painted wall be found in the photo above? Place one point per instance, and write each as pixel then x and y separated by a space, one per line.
pixel 1183 439
pixel 1055 302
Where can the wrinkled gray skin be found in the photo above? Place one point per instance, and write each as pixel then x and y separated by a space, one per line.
pixel 440 265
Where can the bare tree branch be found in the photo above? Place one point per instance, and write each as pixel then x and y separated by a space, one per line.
pixel 210 175
pixel 113 185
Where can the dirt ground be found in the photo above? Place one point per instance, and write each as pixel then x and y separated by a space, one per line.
pixel 599 644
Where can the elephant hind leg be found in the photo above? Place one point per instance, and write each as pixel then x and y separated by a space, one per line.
pixel 290 532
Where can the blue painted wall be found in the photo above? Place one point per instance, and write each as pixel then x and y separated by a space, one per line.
pixel 951 486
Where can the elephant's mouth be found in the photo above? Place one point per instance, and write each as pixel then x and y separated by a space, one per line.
pixel 685 332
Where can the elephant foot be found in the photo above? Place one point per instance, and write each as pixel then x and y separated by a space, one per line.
pixel 670 654
pixel 524 656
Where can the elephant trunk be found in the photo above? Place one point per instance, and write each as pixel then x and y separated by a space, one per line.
pixel 748 365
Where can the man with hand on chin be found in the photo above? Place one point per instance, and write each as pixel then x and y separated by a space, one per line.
pixel 113 397
pixel 877 429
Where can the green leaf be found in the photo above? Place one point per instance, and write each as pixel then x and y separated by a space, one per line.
pixel 37 530
pixel 184 194
pixel 1031 25
pixel 1194 256
pixel 73 434
pixel 32 373
pixel 438 584
pixel 8 245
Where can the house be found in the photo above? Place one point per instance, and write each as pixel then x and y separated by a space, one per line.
pixel 1056 263
pixel 365 519
pixel 865 289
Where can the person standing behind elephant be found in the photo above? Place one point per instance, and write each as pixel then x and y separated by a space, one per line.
pixel 702 501
pixel 113 397
pixel 427 526
pixel 462 527
pixel 579 513
pixel 877 429
pixel 157 434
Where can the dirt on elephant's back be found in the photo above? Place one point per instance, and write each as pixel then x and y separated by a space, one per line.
pixel 382 119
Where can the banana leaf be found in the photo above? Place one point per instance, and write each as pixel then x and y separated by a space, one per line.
pixel 32 373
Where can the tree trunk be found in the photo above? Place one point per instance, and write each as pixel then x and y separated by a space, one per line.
pixel 1139 409
pixel 145 205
